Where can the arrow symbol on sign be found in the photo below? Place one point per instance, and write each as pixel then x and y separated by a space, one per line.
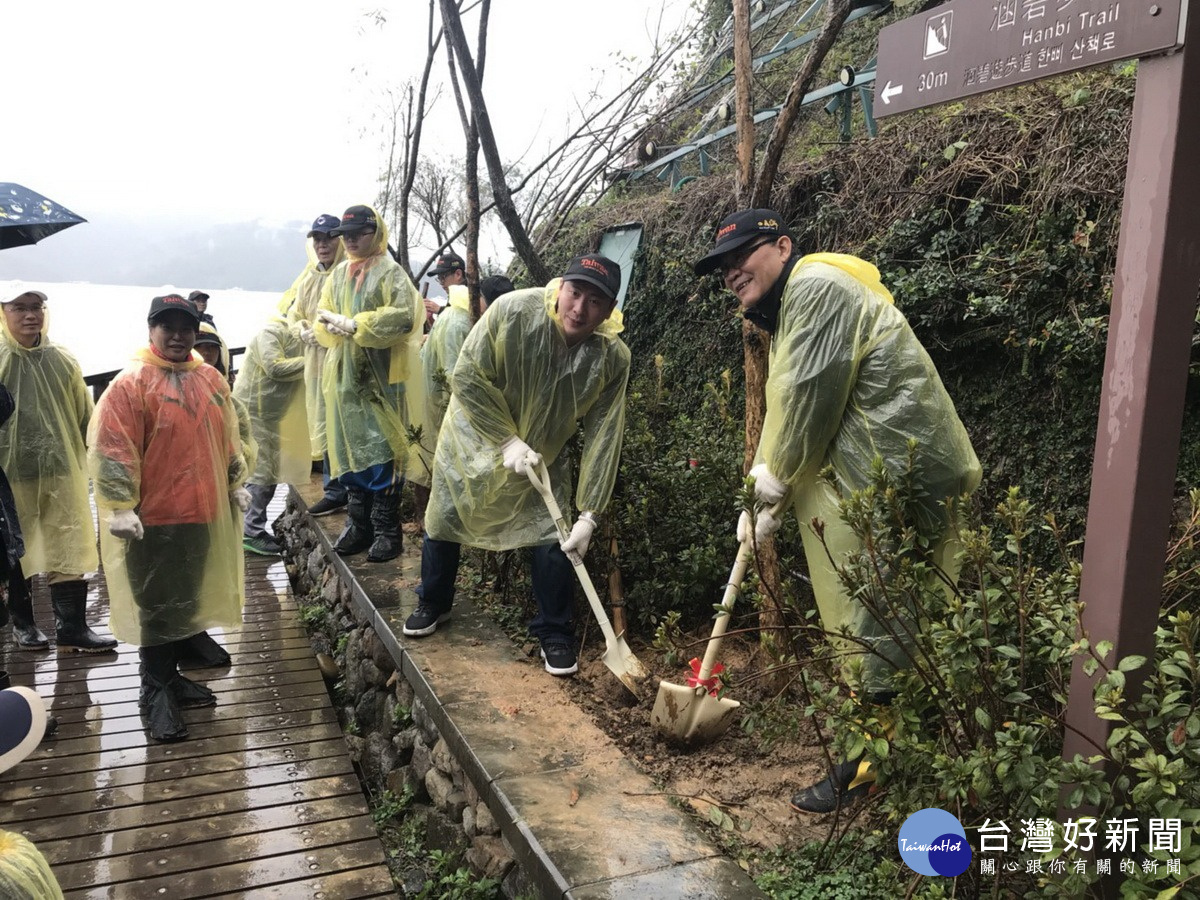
pixel 889 91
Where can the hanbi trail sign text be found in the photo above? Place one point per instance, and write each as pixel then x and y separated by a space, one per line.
pixel 973 46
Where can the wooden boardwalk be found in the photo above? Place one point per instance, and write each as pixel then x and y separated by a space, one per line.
pixel 261 801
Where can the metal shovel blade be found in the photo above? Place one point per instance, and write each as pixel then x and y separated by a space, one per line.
pixel 691 714
pixel 622 663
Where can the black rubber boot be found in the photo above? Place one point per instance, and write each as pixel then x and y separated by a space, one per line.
pixel 843 785
pixel 160 709
pixel 358 534
pixel 385 520
pixel 20 604
pixel 200 651
pixel 69 599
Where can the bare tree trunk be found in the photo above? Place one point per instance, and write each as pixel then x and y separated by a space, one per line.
pixel 452 25
pixel 835 16
pixel 744 105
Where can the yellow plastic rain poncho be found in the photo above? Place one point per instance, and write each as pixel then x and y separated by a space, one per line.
pixel 440 353
pixel 164 441
pixel 372 381
pixel 42 451
pixel 270 385
pixel 516 375
pixel 299 304
pixel 849 381
pixel 24 872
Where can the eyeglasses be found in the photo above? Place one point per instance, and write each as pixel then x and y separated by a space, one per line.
pixel 742 257
pixel 22 309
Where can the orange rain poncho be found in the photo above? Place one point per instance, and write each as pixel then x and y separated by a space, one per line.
pixel 299 304
pixel 516 375
pixel 42 451
pixel 164 442
pixel 372 381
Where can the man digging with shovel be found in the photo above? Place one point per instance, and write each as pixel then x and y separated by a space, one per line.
pixel 538 362
pixel 848 381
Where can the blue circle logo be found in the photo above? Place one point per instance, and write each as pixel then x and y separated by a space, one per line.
pixel 933 842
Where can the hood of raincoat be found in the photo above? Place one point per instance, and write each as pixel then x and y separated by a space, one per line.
pixel 42 337
pixel 609 328
pixel 42 451
pixel 377 246
pixel 459 297
pixel 205 328
pixel 291 295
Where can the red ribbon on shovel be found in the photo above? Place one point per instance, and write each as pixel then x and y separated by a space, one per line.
pixel 712 683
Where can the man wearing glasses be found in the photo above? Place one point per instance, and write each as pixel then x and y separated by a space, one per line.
pixel 299 304
pixel 848 381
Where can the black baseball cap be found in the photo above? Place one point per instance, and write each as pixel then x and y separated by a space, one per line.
pixel 197 295
pixel 598 270
pixel 737 230
pixel 448 262
pixel 356 218
pixel 324 224
pixel 168 302
pixel 208 337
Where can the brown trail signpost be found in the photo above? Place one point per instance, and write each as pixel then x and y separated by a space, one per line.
pixel 968 47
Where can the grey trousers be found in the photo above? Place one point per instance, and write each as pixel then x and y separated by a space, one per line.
pixel 256 516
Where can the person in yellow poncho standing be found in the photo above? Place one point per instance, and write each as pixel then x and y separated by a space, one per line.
pixel 42 451
pixel 324 251
pixel 167 465
pixel 537 363
pixel 370 318
pixel 848 382
pixel 270 384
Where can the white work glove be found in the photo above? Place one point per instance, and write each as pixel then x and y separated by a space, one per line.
pixel 241 497
pixel 308 335
pixel 767 488
pixel 518 455
pixel 765 525
pixel 337 323
pixel 581 535
pixel 125 524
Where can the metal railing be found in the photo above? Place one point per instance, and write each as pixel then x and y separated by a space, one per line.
pixel 100 380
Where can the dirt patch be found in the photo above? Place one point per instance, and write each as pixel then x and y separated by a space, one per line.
pixel 736 787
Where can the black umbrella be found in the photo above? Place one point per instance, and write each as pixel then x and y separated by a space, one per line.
pixel 26 217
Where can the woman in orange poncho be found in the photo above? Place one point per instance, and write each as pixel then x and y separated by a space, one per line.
pixel 167 463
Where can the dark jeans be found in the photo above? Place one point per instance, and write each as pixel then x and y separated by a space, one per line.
pixel 166 568
pixel 553 585
pixel 335 491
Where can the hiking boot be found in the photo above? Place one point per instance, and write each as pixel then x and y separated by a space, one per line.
pixel 200 651
pixel 424 621
pixel 560 657
pixel 325 507
pixel 263 545
pixel 844 785
pixel 69 599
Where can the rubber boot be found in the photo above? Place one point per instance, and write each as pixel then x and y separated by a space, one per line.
pixel 200 651
pixel 385 521
pixel 160 710
pixel 847 781
pixel 358 534
pixel 69 599
pixel 20 605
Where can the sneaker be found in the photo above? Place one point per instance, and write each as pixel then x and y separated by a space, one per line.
pixel 263 545
pixel 325 506
pixel 560 657
pixel 424 621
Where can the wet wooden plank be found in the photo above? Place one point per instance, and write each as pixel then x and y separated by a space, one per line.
pixel 356 885
pixel 173 859
pixel 304 867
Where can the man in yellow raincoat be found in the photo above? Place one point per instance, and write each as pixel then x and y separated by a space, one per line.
pixel 42 451
pixel 848 381
pixel 370 318
pixel 324 251
pixel 167 464
pixel 536 364
pixel 270 385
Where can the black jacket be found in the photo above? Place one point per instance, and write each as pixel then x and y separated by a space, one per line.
pixel 10 527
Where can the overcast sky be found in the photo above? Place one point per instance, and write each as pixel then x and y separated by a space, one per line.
pixel 264 108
